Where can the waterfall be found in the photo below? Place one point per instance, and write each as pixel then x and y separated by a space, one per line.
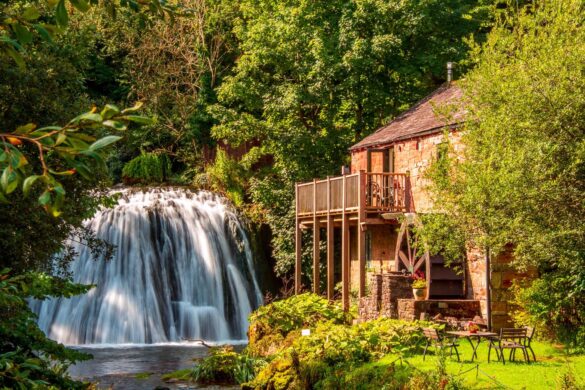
pixel 182 269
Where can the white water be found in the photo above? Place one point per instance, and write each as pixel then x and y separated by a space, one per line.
pixel 182 270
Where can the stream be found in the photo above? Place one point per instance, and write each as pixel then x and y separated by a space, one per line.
pixel 126 367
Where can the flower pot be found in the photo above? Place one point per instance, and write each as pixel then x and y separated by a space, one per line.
pixel 419 293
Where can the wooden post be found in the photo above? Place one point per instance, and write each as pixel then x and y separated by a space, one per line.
pixel 316 242
pixel 361 233
pixel 344 252
pixel 407 192
pixel 298 243
pixel 330 246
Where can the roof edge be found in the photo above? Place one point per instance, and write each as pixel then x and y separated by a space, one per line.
pixel 451 126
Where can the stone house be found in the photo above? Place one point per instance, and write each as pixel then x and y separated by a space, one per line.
pixel 374 206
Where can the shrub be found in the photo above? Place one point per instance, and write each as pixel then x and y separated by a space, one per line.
pixel 551 304
pixel 270 324
pixel 147 168
pixel 224 365
pixel 28 359
pixel 336 347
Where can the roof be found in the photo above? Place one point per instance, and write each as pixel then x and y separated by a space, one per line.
pixel 420 119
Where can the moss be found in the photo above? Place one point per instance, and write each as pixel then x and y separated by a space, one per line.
pixel 183 375
pixel 143 375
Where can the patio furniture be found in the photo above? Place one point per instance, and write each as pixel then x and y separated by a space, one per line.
pixel 434 338
pixel 471 336
pixel 529 335
pixel 509 338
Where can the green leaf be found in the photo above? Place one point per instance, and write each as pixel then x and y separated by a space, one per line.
pixel 25 129
pixel 116 125
pixel 9 180
pixel 17 159
pixel 88 116
pixel 143 120
pixel 61 14
pixel 45 198
pixel 31 13
pixel 109 111
pixel 81 5
pixel 103 142
pixel 16 56
pixel 45 33
pixel 22 34
pixel 61 137
pixel 27 184
pixel 137 106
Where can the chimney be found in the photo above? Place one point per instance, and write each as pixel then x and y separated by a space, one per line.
pixel 449 71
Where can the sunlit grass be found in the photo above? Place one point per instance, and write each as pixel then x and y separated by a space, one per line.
pixel 552 363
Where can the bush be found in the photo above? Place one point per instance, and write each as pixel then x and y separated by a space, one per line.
pixel 224 365
pixel 312 361
pixel 551 304
pixel 271 324
pixel 28 359
pixel 147 168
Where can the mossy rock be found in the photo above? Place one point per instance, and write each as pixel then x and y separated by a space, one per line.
pixel 281 374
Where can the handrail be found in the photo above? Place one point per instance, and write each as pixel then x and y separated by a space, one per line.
pixel 378 191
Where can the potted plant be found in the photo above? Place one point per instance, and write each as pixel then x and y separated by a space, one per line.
pixel 419 286
pixel 472 327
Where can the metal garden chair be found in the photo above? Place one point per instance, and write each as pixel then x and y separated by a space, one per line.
pixel 512 339
pixel 435 339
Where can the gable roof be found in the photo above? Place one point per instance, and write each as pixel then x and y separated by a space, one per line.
pixel 419 119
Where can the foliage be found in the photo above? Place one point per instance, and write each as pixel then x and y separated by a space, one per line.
pixel 223 365
pixel 549 304
pixel 60 151
pixel 518 179
pixel 331 348
pixel 315 77
pixel 28 359
pixel 227 175
pixel 273 322
pixel 147 168
pixel 23 22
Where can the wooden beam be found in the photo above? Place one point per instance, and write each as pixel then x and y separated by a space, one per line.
pixel 316 243
pixel 344 255
pixel 330 246
pixel 298 243
pixel 361 234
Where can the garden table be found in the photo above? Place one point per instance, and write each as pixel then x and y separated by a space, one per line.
pixel 470 336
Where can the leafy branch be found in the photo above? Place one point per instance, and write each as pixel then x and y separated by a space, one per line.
pixel 60 151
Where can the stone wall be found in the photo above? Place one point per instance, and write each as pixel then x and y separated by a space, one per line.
pixel 410 310
pixel 385 291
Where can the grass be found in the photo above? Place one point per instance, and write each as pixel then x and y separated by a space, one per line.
pixel 552 363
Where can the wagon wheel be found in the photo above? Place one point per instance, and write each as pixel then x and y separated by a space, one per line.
pixel 406 251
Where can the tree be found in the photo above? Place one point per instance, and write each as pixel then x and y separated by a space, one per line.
pixel 316 76
pixel 47 162
pixel 520 176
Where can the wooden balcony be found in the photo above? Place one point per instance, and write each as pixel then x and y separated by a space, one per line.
pixel 362 192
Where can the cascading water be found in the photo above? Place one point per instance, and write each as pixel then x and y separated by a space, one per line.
pixel 182 269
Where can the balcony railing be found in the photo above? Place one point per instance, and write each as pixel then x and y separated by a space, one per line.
pixel 384 192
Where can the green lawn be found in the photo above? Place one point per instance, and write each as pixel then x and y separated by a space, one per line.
pixel 551 364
